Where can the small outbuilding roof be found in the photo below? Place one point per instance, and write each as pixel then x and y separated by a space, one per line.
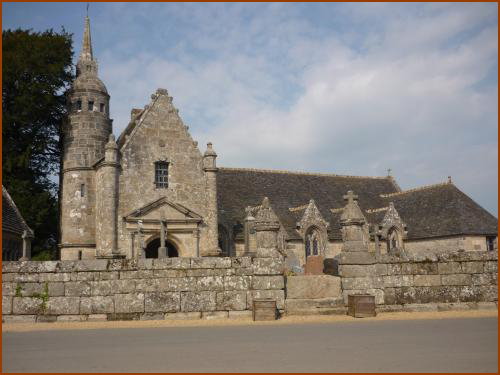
pixel 12 220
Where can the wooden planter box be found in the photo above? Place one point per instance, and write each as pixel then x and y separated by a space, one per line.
pixel 264 309
pixel 361 305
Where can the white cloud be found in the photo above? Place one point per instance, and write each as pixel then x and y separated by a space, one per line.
pixel 412 91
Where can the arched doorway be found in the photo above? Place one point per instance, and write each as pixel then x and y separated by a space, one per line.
pixel 152 249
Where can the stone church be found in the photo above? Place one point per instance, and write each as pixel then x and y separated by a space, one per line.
pixel 152 193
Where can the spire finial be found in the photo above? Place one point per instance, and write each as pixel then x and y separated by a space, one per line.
pixel 88 9
pixel 86 53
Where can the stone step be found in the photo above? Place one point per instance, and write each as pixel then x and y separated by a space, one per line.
pixel 318 311
pixel 294 304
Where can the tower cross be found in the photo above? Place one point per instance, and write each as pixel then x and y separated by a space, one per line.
pixel 350 197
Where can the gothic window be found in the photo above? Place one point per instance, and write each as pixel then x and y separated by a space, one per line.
pixel 392 239
pixel 91 105
pixel 312 242
pixel 161 174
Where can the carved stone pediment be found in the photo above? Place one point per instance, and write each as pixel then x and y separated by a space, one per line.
pixel 312 217
pixel 165 210
pixel 392 220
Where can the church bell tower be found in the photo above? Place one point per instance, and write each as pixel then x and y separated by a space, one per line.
pixel 84 135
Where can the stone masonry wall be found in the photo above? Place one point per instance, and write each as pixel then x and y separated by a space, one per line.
pixel 169 288
pixel 419 279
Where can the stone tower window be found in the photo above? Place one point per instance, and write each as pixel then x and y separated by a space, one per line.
pixel 82 190
pixel 91 105
pixel 101 107
pixel 78 105
pixel 161 174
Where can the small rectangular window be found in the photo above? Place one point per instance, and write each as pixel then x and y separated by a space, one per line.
pixel 82 190
pixel 101 107
pixel 80 253
pixel 78 105
pixel 161 174
pixel 490 243
pixel 91 105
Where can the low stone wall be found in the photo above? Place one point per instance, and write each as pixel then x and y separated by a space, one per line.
pixel 460 277
pixel 170 288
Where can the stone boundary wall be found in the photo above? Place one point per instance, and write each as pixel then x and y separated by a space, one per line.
pixel 460 277
pixel 171 288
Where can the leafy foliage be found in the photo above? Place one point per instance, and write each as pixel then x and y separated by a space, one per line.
pixel 37 70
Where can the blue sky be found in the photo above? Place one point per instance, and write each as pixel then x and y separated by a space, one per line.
pixel 347 88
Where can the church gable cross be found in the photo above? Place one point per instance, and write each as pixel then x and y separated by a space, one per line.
pixel 350 197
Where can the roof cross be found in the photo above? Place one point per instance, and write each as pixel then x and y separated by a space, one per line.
pixel 350 197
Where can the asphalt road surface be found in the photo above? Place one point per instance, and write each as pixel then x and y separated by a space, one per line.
pixel 444 345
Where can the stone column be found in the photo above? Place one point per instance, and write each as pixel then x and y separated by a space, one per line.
pixel 106 202
pixel 249 223
pixel 162 251
pixel 27 237
pixel 266 227
pixel 353 225
pixel 210 169
pixel 140 241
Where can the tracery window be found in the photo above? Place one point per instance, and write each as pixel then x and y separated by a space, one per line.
pixel 312 242
pixel 393 239
pixel 161 174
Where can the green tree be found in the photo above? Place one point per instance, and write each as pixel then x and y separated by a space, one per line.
pixel 36 72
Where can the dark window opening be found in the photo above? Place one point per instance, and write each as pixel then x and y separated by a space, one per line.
pixel 101 107
pixel 78 105
pixel 82 190
pixel 152 249
pixel 80 252
pixel 312 242
pixel 490 243
pixel 161 174
pixel 91 105
pixel 88 68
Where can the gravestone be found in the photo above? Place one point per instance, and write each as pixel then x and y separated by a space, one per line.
pixel 314 265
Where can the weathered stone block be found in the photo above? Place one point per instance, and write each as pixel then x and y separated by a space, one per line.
pixel 268 282
pixel 472 267
pixel 210 262
pixel 55 277
pixel 198 301
pixel 239 262
pixel 129 303
pixel 277 295
pixel 490 266
pixel 394 269
pixel 449 268
pixel 162 302
pixel 142 274
pixel 77 289
pixel 97 318
pixel 26 277
pixel 83 265
pixel 183 316
pixel 446 293
pixel 210 283
pixel 6 305
pixel 308 287
pixel 407 268
pixel 39 266
pixel 427 280
pixel 486 293
pixel 109 287
pixel 63 306
pixel 381 270
pixel 8 277
pixel 107 276
pixel 390 296
pixel 460 279
pixel 55 289
pixel 83 276
pixel 243 271
pixel 153 316
pixel 180 284
pixel 9 266
pixel 124 316
pixel 240 314
pixel 27 305
pixel 268 266
pixel 420 307
pixel 19 318
pixel 71 318
pixel 172 263
pixel 363 282
pixel 237 282
pixel 232 300
pixel 303 304
pixel 97 305
pixel 351 270
pixel 424 268
pixel 357 258
pixel 9 289
pixel 176 273
pixel 145 264
pixel 148 285
pixel 212 315
pixel 31 289
pixel 481 279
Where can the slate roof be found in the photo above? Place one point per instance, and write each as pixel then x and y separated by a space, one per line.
pixel 12 220
pixel 433 211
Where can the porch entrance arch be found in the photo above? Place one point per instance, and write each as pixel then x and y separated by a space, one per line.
pixel 152 249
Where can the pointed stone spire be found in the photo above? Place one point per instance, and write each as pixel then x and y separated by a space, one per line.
pixel 86 62
pixel 86 52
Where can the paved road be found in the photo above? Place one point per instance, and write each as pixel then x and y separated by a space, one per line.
pixel 444 345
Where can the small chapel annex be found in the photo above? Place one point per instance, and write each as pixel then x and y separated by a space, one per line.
pixel 152 193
